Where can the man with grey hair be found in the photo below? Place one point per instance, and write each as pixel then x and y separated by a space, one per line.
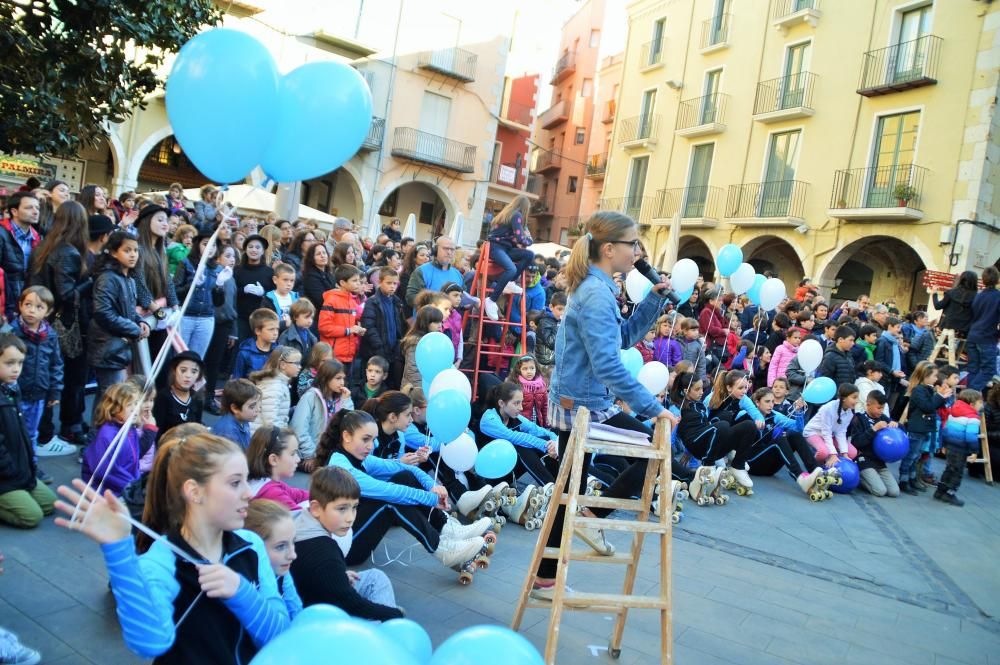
pixel 341 226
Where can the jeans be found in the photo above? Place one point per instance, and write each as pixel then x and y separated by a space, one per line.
pixel 513 261
pixel 73 401
pixel 196 331
pixel 374 585
pixel 982 364
pixel 908 465
pixel 32 414
pixel 951 478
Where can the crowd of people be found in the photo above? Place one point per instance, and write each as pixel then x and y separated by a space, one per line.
pixel 303 346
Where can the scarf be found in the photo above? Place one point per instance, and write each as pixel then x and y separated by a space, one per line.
pixel 536 385
pixel 869 349
pixel 894 345
pixel 35 336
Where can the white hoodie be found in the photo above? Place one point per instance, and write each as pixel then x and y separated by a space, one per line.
pixel 831 423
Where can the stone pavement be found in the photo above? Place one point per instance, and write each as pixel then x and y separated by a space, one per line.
pixel 772 579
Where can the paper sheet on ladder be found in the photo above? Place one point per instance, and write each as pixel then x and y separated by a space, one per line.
pixel 602 432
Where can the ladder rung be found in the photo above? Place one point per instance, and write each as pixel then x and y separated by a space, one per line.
pixel 624 449
pixel 591 501
pixel 587 555
pixel 614 601
pixel 621 525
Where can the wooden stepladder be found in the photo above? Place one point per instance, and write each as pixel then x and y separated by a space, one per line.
pixel 984 456
pixel 566 492
pixel 950 341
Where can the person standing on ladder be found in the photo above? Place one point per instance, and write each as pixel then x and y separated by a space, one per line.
pixel 588 369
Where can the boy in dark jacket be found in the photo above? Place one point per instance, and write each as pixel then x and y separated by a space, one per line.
pixel 545 335
pixel 253 352
pixel 320 570
pixel 23 500
pixel 42 375
pixel 384 326
pixel 298 335
pixel 838 362
pixel 875 477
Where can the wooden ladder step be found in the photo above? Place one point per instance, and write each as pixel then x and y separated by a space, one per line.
pixel 593 501
pixel 621 525
pixel 612 602
pixel 625 449
pixel 587 555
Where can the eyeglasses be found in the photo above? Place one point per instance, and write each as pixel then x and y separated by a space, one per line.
pixel 634 243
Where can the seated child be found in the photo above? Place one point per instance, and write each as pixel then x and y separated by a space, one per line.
pixel 428 319
pixel 320 562
pixel 692 349
pixel 272 458
pixel 318 404
pixel 274 524
pixel 666 348
pixel 875 477
pixel 376 372
pixel 827 431
pixel 298 335
pixel 961 436
pixel 240 406
pixel 109 416
pixel 537 448
pixel 272 380
pixel 869 379
pixel 392 412
pixel 180 403
pixel 536 393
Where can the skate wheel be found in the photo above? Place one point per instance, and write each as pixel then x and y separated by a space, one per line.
pixel 839 481
pixel 464 578
pixel 530 525
pixel 679 507
pixel 712 501
pixel 482 562
pixel 723 500
pixel 490 538
pixel 501 520
pixel 829 494
pixel 488 506
pixel 675 518
pixel 535 502
pixel 702 501
pixel 683 494
pixel 816 496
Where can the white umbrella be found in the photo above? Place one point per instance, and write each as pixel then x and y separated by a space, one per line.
pixel 456 230
pixel 375 227
pixel 410 230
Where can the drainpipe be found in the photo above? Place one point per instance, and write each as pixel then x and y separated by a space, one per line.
pixel 385 112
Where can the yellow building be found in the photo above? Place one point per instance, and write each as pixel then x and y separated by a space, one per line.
pixel 855 142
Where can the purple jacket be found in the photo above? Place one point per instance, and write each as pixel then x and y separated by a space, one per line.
pixel 126 466
pixel 667 350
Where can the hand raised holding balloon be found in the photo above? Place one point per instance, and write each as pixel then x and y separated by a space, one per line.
pixel 101 518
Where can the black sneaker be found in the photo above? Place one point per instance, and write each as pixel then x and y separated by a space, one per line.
pixel 904 486
pixel 948 497
pixel 41 475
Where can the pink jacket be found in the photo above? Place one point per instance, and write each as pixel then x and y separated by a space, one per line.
pixel 780 360
pixel 276 490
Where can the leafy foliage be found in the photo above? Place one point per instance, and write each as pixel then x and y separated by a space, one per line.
pixel 66 66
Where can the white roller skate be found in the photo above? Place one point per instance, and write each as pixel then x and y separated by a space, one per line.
pixel 477 503
pixel 738 479
pixel 594 487
pixel 525 508
pixel 461 555
pixel 455 530
pixel 831 476
pixel 545 494
pixel 678 493
pixel 704 487
pixel 814 485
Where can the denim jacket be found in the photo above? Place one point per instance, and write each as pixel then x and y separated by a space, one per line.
pixel 588 369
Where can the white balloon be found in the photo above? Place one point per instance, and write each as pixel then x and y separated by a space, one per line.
pixel 772 293
pixel 461 453
pixel 810 355
pixel 451 379
pixel 654 377
pixel 637 286
pixel 684 275
pixel 742 279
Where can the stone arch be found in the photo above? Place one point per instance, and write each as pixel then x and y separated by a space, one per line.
pixel 120 160
pixel 881 266
pixel 775 254
pixel 135 162
pixel 450 203
pixel 347 197
pixel 698 250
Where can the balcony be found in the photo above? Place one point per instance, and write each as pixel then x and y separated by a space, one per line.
pixel 900 67
pixel 638 132
pixel 545 206
pixel 376 132
pixel 418 146
pixel 455 63
pixel 565 66
pixel 785 98
pixel 506 175
pixel 609 112
pixel 516 116
pixel 715 34
pixel 597 165
pixel 789 13
pixel 555 115
pixel 699 207
pixel 639 208
pixel 702 116
pixel 651 55
pixel 773 203
pixel 883 194
pixel 547 161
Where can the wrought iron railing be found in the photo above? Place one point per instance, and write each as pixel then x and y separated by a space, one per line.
pixel 553 115
pixel 547 160
pixel 455 62
pixel 639 208
pixel 777 198
pixel 507 175
pixel 546 203
pixel 901 66
pixel 785 92
pixel 704 110
pixel 699 201
pixel 892 186
pixel 597 165
pixel 651 53
pixel 564 65
pixel 715 30
pixel 376 132
pixel 638 128
pixel 783 8
pixel 430 149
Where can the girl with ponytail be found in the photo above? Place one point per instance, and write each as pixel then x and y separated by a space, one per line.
pixel 197 497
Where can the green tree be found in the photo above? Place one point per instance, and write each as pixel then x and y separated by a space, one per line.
pixel 66 66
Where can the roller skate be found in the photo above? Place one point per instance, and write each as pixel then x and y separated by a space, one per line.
pixel 678 493
pixel 504 495
pixel 481 503
pixel 455 530
pixel 738 479
pixel 525 509
pixel 704 488
pixel 814 485
pixel 830 477
pixel 545 494
pixel 461 556
pixel 594 487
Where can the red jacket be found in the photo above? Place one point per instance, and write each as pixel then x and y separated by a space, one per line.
pixel 712 325
pixel 337 316
pixel 536 400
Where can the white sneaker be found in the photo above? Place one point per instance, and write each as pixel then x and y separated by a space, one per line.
pixel 12 652
pixel 55 448
pixel 491 309
pixel 742 477
pixel 513 289
pixel 595 538
pixel 547 592
pixel 455 530
pixel 456 552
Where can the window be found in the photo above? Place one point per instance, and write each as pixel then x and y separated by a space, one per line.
pixel 710 102
pixel 697 185
pixel 595 38
pixel 588 88
pixel 794 84
pixel 636 186
pixel 656 44
pixel 571 184
pixel 910 56
pixel 895 145
pixel 581 135
pixel 646 114
pixel 779 174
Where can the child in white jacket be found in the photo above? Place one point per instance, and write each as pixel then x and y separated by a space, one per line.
pixel 272 380
pixel 327 396
pixel 826 432
pixel 870 379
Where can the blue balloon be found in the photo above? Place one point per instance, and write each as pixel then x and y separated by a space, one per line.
pixel 820 390
pixel 323 115
pixel 222 96
pixel 496 459
pixel 632 360
pixel 729 259
pixel 891 444
pixel 849 474
pixel 320 615
pixel 354 641
pixel 754 291
pixel 411 636
pixel 448 414
pixel 683 296
pixel 435 353
pixel 486 645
